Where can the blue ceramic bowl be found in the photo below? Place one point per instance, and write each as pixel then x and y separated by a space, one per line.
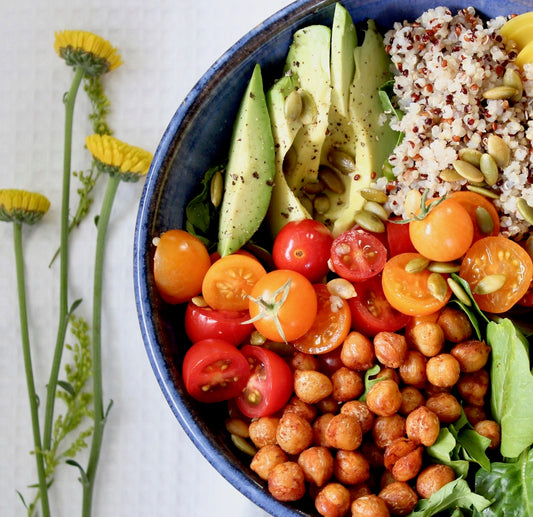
pixel 197 137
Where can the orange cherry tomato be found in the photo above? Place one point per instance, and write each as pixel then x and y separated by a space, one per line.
pixel 230 280
pixel 471 201
pixel 409 292
pixel 181 261
pixel 445 233
pixel 331 326
pixel 294 315
pixel 497 256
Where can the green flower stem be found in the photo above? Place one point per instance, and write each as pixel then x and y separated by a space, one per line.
pixel 32 395
pixel 99 415
pixel 63 271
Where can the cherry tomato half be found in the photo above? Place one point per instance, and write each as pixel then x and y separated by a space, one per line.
pixel 497 256
pixel 204 323
pixel 331 325
pixel 214 370
pixel 357 255
pixel 269 386
pixel 303 246
pixel 372 312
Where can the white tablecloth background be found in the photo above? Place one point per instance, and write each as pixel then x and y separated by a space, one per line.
pixel 148 465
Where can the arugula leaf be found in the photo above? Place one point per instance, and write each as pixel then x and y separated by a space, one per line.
pixel 511 387
pixel 370 382
pixel 510 485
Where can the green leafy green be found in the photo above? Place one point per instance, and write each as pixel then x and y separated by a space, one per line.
pixel 444 451
pixel 370 380
pixel 386 97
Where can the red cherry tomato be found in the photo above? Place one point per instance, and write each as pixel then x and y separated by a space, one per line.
pixel 214 370
pixel 372 312
pixel 204 323
pixel 269 386
pixel 303 246
pixel 398 239
pixel 357 255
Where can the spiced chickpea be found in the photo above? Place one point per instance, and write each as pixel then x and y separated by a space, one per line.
pixel 373 454
pixel 317 465
pixel 389 373
pixel 491 430
pixel 302 361
pixel 384 398
pixel 369 506
pixel 266 458
pixel 333 500
pixel 359 490
pixel 386 478
pixel 443 370
pixel 386 429
pixel 473 387
pixel 357 352
pixel 472 355
pixel 399 497
pixel 427 337
pixel 294 433
pixel 422 426
pixel 403 457
pixel 359 410
pixel 351 467
pixel 301 408
pixel 312 386
pixel 344 432
pixel 263 430
pixel 286 482
pixel 328 405
pixel 433 478
pixel 455 325
pixel 413 370
pixel 445 406
pixel 475 414
pixel 411 399
pixel 319 429
pixel 390 348
pixel 347 384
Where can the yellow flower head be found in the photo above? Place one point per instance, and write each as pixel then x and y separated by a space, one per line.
pixel 22 206
pixel 116 157
pixel 87 50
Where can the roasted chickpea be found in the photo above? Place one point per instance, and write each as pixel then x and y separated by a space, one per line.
pixel 344 432
pixel 357 352
pixel 294 433
pixel 455 325
pixel 390 348
pixel 359 490
pixel 472 355
pixel 301 408
pixel 433 478
pixel 263 431
pixel 403 457
pixel 286 482
pixel 328 405
pixel 489 429
pixel 422 426
pixel 384 398
pixel 443 370
pixel 386 478
pixel 427 337
pixel 399 497
pixel 445 406
pixel 347 384
pixel 317 465
pixel 475 414
pixel 373 454
pixel 333 500
pixel 369 506
pixel 389 373
pixel 319 429
pixel 351 467
pixel 473 387
pixel 386 429
pixel 311 386
pixel 302 361
pixel 411 399
pixel 359 410
pixel 266 458
pixel 413 370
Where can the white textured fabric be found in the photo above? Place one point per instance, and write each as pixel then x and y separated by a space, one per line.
pixel 148 467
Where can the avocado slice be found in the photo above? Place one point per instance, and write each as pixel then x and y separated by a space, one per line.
pixel 250 169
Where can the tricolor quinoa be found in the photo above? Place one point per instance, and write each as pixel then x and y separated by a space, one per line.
pixel 443 64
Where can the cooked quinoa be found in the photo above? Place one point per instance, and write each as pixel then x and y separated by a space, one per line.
pixel 443 64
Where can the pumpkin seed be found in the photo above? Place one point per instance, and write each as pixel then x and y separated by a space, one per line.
pixel 306 203
pixel 342 288
pixel 199 301
pixel 412 203
pixel 331 179
pixel 216 188
pixel 369 221
pixel 237 427
pixel 243 445
pixel 489 169
pixel 529 246
pixel 293 106
pixel 373 194
pixel 525 210
pixel 459 292
pixel 321 204
pixel 500 93
pixel 450 175
pixel 499 150
pixel 484 221
pixel 483 191
pixel 376 209
pixel 314 187
pixel 468 171
pixel 444 267
pixel 469 155
pixel 417 265
pixel 512 78
pixel 257 339
pixel 490 284
pixel 437 286
pixel 342 161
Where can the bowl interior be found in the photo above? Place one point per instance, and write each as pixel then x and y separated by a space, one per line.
pixel 198 137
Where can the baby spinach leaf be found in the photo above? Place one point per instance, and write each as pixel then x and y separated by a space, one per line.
pixel 511 387
pixel 444 451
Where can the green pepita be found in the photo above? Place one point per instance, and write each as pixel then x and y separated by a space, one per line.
pixel 484 221
pixel 483 191
pixel 512 78
pixel 470 155
pixel 243 445
pixel 500 93
pixel 444 267
pixel 373 194
pixel 341 161
pixel 376 209
pixel 369 221
pixel 412 203
pixel 525 210
pixel 437 286
pixel 489 169
pixel 331 179
pixel 499 150
pixel 417 265
pixel 490 284
pixel 216 188
pixel 293 106
pixel 468 171
pixel 237 427
pixel 459 292
pixel 450 175
pixel 314 187
pixel 321 204
pixel 529 246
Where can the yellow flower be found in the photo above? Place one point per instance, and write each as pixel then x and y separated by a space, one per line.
pixel 116 157
pixel 22 206
pixel 87 50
